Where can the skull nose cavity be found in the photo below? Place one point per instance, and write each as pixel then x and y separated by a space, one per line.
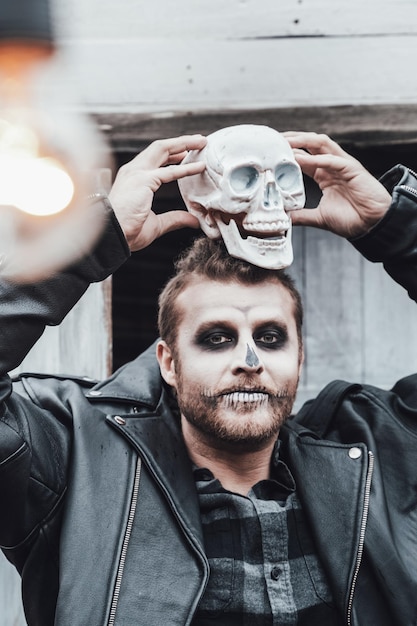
pixel 272 196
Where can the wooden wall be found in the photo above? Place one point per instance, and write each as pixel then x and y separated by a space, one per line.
pixel 164 56
pixel 360 326
pixel 345 67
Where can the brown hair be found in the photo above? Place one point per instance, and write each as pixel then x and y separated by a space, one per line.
pixel 208 258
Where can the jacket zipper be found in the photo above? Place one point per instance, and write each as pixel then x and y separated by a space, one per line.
pixel 364 521
pixel 409 189
pixel 133 507
pixel 412 172
pixel 128 532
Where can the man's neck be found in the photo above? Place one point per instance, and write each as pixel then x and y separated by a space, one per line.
pixel 238 471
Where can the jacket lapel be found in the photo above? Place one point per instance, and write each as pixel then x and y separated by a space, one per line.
pixel 157 438
pixel 331 487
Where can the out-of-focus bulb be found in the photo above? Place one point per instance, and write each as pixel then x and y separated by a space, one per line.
pixel 48 187
pixel 48 154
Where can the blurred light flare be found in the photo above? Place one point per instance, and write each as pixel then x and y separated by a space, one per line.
pixel 48 156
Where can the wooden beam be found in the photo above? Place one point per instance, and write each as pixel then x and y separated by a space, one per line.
pixel 351 125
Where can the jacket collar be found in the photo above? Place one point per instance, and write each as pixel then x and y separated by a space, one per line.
pixel 331 486
pixel 139 382
pixel 157 437
pixel 154 431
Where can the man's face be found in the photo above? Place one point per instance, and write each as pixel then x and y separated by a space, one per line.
pixel 236 362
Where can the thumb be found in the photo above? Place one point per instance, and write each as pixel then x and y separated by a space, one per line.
pixel 174 220
pixel 307 217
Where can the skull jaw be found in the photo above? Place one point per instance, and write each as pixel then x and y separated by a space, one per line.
pixel 207 224
pixel 269 254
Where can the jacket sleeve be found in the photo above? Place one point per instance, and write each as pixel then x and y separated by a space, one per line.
pixel 35 441
pixel 25 310
pixel 393 240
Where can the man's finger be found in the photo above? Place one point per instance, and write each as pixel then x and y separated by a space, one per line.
pixel 315 143
pixel 174 172
pixel 161 151
pixel 176 158
pixel 310 163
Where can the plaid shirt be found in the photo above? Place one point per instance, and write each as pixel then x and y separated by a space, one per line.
pixel 264 567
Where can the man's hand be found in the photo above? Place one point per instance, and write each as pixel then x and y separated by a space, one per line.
pixel 136 182
pixel 353 201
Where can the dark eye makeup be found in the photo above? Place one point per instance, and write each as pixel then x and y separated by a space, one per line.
pixel 271 338
pixel 214 338
pixel 268 338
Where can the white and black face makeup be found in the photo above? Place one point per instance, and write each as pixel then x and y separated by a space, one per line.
pixel 236 363
pixel 252 359
pixel 246 193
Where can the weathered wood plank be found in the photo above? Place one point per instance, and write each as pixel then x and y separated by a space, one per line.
pixel 333 304
pixel 234 19
pixel 350 125
pixel 158 75
pixel 389 329
pixel 81 345
pixel 360 325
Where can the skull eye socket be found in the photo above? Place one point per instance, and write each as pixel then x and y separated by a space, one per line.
pixel 287 175
pixel 243 178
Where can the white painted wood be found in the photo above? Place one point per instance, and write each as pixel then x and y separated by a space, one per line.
pixel 360 326
pixel 167 56
pixel 333 309
pixel 234 19
pixel 389 329
pixel 81 345
pixel 154 75
pixel 332 301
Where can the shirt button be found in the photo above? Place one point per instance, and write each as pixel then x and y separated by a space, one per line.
pixel 276 572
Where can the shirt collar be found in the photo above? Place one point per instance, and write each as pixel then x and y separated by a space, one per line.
pixel 280 472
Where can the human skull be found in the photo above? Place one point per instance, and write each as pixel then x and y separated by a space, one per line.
pixel 251 183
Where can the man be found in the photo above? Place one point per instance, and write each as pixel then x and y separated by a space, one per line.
pixel 162 495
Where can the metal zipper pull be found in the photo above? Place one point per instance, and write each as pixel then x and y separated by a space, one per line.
pixel 364 521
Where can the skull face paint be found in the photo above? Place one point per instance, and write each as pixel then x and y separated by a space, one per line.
pixel 251 183
pixel 252 359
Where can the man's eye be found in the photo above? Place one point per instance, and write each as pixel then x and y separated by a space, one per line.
pixel 217 339
pixel 270 339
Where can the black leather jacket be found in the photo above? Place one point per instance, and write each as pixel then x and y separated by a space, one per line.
pixel 98 505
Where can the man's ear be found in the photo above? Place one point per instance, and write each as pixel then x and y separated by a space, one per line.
pixel 166 363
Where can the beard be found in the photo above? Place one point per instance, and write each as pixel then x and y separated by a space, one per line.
pixel 242 418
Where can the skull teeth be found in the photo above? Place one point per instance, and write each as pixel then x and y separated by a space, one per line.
pixel 273 243
pixel 266 227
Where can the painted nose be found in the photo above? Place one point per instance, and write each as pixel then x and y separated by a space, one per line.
pixel 248 360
